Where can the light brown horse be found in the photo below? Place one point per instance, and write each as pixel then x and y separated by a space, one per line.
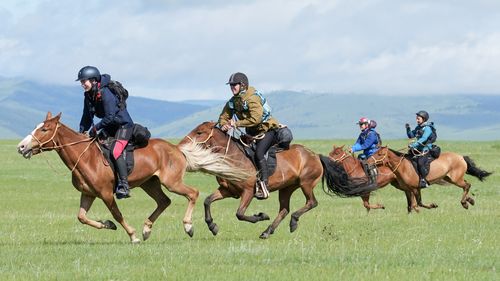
pixel 354 168
pixel 450 167
pixel 297 167
pixel 159 163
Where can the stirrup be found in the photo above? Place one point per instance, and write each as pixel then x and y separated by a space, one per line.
pixel 122 191
pixel 261 191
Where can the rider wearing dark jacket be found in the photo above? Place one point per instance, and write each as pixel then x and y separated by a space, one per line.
pixel 100 102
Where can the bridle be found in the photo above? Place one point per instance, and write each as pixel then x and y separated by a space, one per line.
pixel 344 156
pixel 209 137
pixel 41 147
pixel 394 169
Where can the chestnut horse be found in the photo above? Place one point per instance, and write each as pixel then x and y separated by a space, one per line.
pixel 159 163
pixel 450 167
pixel 296 167
pixel 354 168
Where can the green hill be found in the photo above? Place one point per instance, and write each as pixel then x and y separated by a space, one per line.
pixel 23 104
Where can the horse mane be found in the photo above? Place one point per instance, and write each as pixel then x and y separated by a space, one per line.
pixel 399 154
pixel 207 160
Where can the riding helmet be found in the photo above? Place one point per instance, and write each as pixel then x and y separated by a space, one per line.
pixel 238 78
pixel 89 72
pixel 363 120
pixel 423 114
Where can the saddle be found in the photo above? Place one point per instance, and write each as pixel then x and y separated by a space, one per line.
pixel 370 169
pixel 431 155
pixel 140 138
pixel 270 156
pixel 128 154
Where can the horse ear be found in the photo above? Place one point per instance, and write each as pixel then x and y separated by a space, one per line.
pixel 49 115
pixel 58 116
pixel 342 146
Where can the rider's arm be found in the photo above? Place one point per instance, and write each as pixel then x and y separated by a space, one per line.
pixel 410 133
pixel 371 138
pixel 225 115
pixel 255 111
pixel 87 117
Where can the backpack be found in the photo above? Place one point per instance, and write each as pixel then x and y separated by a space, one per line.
pixel 433 137
pixel 263 101
pixel 119 91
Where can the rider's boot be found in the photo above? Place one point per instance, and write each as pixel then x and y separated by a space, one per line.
pixel 122 187
pixel 261 191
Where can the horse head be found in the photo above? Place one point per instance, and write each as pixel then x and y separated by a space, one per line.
pixel 337 153
pixel 38 139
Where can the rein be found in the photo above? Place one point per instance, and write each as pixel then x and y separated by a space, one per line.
pixel 56 146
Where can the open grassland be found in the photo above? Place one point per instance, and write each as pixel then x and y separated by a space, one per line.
pixel 41 239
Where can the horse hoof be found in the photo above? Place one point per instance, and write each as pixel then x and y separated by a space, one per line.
pixel 188 228
pixel 262 216
pixel 465 205
pixel 293 225
pixel 264 235
pixel 434 205
pixel 135 241
pixel 471 201
pixel 145 235
pixel 214 229
pixel 108 224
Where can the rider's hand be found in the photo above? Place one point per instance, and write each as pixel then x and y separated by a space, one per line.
pixel 228 125
pixel 407 126
pixel 92 132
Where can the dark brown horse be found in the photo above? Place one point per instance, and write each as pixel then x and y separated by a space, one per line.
pixel 159 163
pixel 450 167
pixel 296 168
pixel 354 168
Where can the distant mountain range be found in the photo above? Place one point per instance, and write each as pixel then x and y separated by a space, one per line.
pixel 23 104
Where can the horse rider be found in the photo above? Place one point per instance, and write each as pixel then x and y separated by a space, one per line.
pixel 115 120
pixel 368 140
pixel 425 135
pixel 250 112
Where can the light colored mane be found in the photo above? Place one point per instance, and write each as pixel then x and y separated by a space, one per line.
pixel 205 160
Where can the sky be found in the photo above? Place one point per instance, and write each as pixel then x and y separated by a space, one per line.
pixel 186 50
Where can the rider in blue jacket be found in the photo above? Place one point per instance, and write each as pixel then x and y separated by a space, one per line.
pixel 425 135
pixel 368 140
pixel 115 120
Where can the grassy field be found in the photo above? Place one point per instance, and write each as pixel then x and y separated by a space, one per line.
pixel 41 238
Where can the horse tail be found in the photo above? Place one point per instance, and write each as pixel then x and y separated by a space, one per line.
pixel 475 171
pixel 339 183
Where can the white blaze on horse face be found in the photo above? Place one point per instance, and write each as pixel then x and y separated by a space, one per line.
pixel 24 147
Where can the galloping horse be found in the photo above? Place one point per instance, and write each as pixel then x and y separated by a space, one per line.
pixel 296 167
pixel 159 163
pixel 354 168
pixel 450 167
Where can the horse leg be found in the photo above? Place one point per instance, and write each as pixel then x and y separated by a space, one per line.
pixel 284 197
pixel 421 204
pixel 110 202
pixel 219 194
pixel 246 198
pixel 311 202
pixel 152 187
pixel 466 199
pixel 366 203
pixel 414 193
pixel 85 204
pixel 191 195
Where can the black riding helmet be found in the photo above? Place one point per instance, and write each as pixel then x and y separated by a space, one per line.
pixel 423 114
pixel 238 78
pixel 89 72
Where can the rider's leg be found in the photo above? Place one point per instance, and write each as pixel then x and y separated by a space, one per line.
pixel 262 146
pixel 422 170
pixel 122 138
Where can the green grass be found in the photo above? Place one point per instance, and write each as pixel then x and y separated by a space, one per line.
pixel 42 239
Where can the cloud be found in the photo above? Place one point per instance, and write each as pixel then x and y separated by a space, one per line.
pixel 187 49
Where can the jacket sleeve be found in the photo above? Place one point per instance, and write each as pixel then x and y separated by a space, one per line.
pixel 111 109
pixel 225 115
pixel 410 133
pixel 87 118
pixel 371 138
pixel 255 111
